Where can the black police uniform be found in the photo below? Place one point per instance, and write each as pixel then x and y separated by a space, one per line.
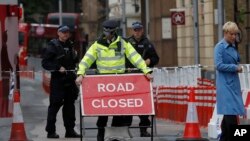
pixel 147 51
pixel 63 90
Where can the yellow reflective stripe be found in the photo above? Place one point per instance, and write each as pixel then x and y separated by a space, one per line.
pixel 110 58
pixel 120 67
pixel 115 58
pixel 91 57
pixel 122 47
pixel 138 62
pixel 98 49
pixel 98 53
pixel 85 64
pixel 132 55
pixel 100 58
pixel 110 71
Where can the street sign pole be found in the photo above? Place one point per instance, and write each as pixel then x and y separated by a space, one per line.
pixel 60 11
pixel 196 33
pixel 123 18
pixel 220 5
pixel 147 17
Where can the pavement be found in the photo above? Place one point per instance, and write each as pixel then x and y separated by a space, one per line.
pixel 34 104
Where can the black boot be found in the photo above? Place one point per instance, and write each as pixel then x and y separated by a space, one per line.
pixel 144 132
pixel 100 135
pixel 72 134
pixel 52 135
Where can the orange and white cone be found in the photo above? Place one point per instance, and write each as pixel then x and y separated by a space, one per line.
pixel 17 129
pixel 247 105
pixel 192 129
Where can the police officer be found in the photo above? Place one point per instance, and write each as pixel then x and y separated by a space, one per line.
pixel 146 49
pixel 113 50
pixel 60 58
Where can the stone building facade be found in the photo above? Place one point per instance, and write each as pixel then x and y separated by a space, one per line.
pixel 185 33
pixel 176 47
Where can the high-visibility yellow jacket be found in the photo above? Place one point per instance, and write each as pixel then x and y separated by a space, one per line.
pixel 111 58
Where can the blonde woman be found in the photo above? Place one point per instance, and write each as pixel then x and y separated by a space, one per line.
pixel 228 90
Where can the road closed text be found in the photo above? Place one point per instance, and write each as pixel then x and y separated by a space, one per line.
pixel 123 94
pixel 119 87
pixel 114 103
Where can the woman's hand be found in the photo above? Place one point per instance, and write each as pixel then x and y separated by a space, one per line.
pixel 239 69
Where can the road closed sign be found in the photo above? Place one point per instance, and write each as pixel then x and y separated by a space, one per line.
pixel 123 94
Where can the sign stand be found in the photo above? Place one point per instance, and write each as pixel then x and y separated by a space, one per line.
pixel 82 128
pixel 110 95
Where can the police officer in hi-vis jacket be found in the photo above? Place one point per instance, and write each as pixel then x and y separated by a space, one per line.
pixel 109 52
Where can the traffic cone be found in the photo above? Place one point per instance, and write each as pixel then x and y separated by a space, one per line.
pixel 17 129
pixel 192 129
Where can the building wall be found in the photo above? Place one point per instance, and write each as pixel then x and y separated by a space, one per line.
pixel 185 33
pixel 230 15
pixel 207 43
pixel 179 49
pixel 166 48
pixel 132 14
pixel 183 42
pixel 243 22
pixel 93 15
pixel 158 10
pixel 115 7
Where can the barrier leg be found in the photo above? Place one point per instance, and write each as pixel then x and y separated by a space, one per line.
pixel 152 128
pixel 154 124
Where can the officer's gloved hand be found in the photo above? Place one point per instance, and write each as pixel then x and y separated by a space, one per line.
pixel 79 79
pixel 149 76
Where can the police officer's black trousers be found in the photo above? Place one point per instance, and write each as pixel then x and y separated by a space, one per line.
pixel 117 121
pixel 68 111
pixel 144 120
pixel 226 126
pixel 101 123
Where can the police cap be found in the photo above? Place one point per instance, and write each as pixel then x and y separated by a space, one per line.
pixel 110 25
pixel 63 28
pixel 137 25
